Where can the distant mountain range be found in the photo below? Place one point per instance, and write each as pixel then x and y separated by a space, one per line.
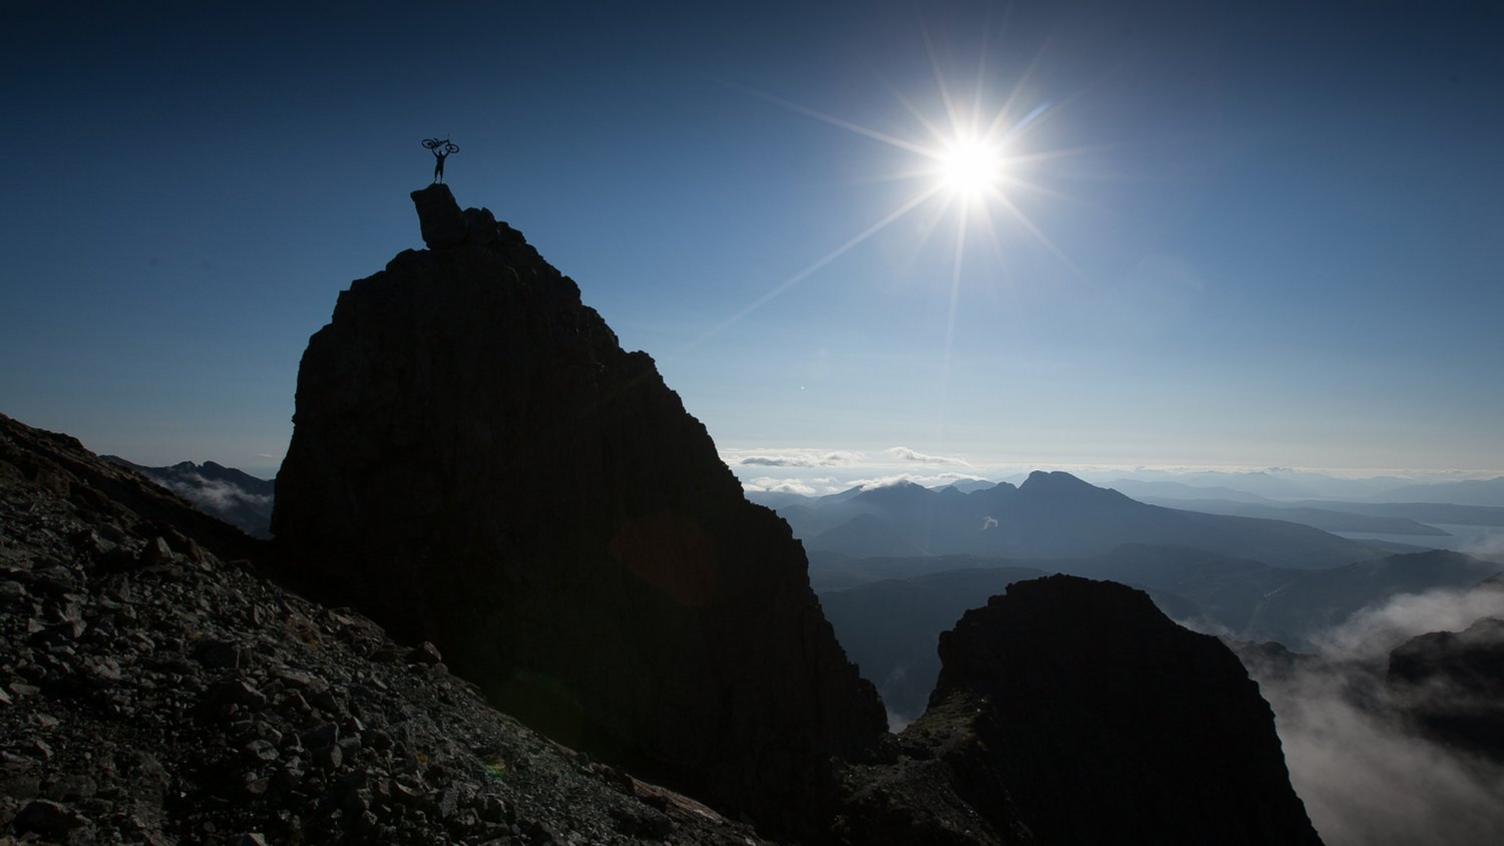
pixel 236 497
pixel 1485 492
pixel 1425 512
pixel 1180 491
pixel 1326 519
pixel 1290 487
pixel 1051 515
pixel 245 501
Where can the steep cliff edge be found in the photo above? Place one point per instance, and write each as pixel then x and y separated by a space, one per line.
pixel 1071 711
pixel 477 462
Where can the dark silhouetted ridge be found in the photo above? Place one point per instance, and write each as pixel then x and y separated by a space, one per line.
pixel 477 462
pixel 1070 711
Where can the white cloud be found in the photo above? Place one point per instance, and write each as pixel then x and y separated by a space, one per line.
pixel 791 458
pixel 1365 775
pixel 903 453
pixel 823 470
pixel 1489 547
pixel 1372 632
pixel 770 485
pixel 214 495
pixel 927 480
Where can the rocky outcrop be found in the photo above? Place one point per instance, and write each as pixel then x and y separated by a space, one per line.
pixel 441 222
pixel 151 692
pixel 1073 711
pixel 478 463
pixel 1451 685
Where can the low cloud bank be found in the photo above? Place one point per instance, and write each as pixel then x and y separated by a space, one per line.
pixel 1370 634
pixel 795 458
pixel 930 480
pixel 1366 775
pixel 767 484
pixel 816 472
pixel 213 495
pixel 820 487
pixel 1489 547
pixel 905 454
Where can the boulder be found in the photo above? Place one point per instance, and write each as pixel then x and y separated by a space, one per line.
pixel 50 819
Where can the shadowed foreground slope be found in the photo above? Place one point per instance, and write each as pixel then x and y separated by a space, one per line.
pixel 152 692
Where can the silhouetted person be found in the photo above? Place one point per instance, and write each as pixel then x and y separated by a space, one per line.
pixel 441 149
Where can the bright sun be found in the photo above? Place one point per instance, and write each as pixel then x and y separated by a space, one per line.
pixel 972 162
pixel 969 166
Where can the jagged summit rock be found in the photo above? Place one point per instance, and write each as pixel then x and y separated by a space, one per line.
pixel 439 217
pixel 1071 711
pixel 476 462
pixel 443 225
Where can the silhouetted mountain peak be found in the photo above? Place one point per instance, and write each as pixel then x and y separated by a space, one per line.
pixel 1055 482
pixel 1058 489
pixel 999 489
pixel 842 496
pixel 904 491
pixel 476 461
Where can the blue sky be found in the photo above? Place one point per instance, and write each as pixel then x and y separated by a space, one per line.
pixel 1281 226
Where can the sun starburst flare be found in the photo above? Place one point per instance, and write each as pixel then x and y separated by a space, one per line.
pixel 972 164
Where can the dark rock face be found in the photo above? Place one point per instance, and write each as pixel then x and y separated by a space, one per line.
pixel 151 692
pixel 440 218
pixel 1451 684
pixel 1072 711
pixel 476 462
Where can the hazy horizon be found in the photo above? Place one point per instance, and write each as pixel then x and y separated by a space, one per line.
pixel 816 472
